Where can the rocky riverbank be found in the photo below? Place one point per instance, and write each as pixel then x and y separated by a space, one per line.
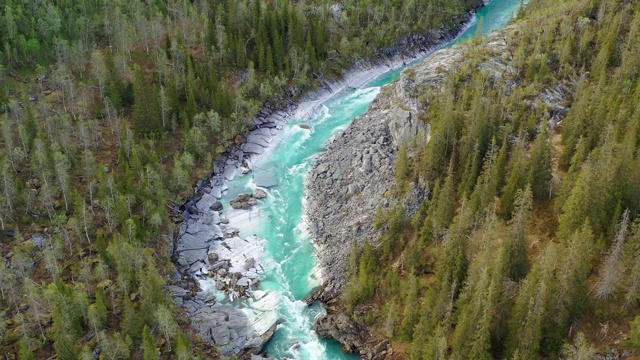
pixel 224 303
pixel 356 173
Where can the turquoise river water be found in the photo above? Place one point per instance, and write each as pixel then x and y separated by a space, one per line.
pixel 289 249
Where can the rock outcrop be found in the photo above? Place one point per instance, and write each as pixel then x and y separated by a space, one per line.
pixel 356 173
pixel 341 328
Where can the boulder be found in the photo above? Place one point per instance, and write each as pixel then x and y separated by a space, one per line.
pixel 39 241
pixel 259 193
pixel 193 242
pixel 404 126
pixel 243 197
pixel 322 168
pixel 243 201
pixel 336 10
pixel 216 206
pixel 193 256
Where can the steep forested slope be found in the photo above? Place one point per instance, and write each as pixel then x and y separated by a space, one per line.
pixel 109 112
pixel 528 246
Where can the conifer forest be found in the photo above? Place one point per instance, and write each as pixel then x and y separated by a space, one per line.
pixel 527 246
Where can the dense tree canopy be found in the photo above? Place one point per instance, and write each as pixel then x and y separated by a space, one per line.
pixel 529 238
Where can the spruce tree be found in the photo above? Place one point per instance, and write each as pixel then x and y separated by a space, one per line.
pixel 517 243
pixel 540 172
pixel 402 169
pixel 147 119
pixel 149 345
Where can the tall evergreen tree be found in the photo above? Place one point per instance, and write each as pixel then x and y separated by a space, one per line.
pixel 540 171
pixel 147 118
pixel 517 244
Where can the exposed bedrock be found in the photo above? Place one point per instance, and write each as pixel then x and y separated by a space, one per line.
pixel 356 173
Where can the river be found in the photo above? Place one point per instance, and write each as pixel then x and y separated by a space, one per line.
pixel 290 257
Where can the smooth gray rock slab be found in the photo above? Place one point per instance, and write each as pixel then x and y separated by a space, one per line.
pixel 251 148
pixel 258 140
pixel 178 291
pixel 265 179
pixel 193 256
pixel 230 172
pixel 193 242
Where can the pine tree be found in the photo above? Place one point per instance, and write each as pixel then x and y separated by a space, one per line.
pixel 570 289
pixel 166 324
pixel 131 324
pixel 62 340
pixel 475 308
pixel 270 67
pixel 634 334
pixel 24 353
pixel 486 188
pixel 444 207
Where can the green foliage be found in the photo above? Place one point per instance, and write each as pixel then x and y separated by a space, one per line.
pixel 516 180
pixel 517 244
pixel 362 283
pixel 634 334
pixel 132 324
pixel 540 167
pixel 411 313
pixel 149 345
pixel 146 109
pixel 115 84
pixel 402 169
pixel 579 350
pixel 24 353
